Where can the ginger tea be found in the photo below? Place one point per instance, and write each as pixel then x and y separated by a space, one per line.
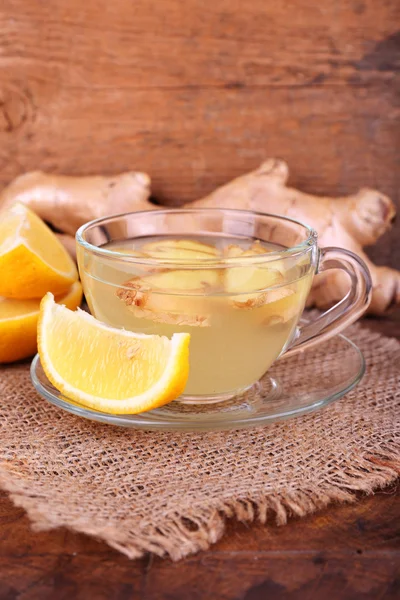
pixel 240 315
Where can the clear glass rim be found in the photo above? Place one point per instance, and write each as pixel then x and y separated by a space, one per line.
pixel 310 239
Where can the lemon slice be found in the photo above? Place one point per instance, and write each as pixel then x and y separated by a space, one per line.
pixel 107 369
pixel 32 260
pixel 19 320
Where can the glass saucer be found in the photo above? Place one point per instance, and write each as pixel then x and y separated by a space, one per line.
pixel 293 386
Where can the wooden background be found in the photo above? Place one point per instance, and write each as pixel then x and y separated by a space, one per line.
pixel 197 92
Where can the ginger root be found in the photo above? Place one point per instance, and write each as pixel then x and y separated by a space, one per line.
pixel 350 222
pixel 67 202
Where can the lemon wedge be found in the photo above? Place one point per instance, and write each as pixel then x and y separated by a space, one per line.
pixel 32 260
pixel 110 370
pixel 19 320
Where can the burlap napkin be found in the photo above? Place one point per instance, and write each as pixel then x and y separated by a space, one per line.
pixel 171 493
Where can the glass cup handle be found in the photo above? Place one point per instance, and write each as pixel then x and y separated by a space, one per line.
pixel 344 312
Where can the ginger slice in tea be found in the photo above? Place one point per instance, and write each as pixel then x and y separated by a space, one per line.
pixel 171 318
pixel 134 292
pixel 285 303
pixel 247 283
pixel 280 306
pixel 177 249
pixel 161 296
pixel 235 251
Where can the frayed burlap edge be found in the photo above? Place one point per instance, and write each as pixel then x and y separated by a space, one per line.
pixel 186 534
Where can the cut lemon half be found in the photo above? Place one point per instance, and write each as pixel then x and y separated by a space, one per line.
pixel 19 321
pixel 32 260
pixel 107 369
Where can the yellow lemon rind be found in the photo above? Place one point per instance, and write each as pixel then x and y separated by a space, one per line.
pixel 24 275
pixel 32 259
pixel 18 335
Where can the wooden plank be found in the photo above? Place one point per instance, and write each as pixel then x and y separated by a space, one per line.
pixel 199 95
pixel 192 140
pixel 347 552
pixel 128 45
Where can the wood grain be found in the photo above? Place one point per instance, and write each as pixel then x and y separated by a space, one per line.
pixel 344 553
pixel 197 93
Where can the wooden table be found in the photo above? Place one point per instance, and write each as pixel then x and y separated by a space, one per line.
pixel 344 552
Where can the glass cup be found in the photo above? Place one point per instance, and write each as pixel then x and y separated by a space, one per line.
pixel 237 281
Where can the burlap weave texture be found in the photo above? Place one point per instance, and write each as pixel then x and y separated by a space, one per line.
pixel 171 493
